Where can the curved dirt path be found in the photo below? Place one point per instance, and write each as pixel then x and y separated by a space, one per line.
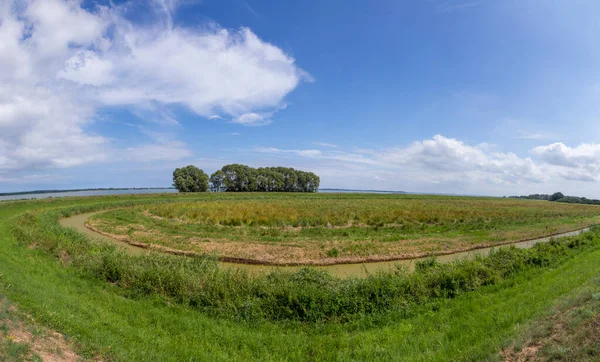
pixel 78 222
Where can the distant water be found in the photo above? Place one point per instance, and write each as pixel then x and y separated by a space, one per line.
pixel 153 191
pixel 357 191
pixel 87 193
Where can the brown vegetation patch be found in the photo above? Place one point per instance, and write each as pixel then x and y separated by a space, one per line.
pixel 304 253
pixel 527 353
pixel 48 345
pixel 571 334
pixel 337 231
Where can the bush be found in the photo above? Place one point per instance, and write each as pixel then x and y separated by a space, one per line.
pixel 306 296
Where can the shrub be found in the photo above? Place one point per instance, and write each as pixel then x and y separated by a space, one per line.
pixel 306 296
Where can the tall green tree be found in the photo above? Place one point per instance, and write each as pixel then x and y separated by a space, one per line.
pixel 306 182
pixel 241 178
pixel 290 178
pixel 217 181
pixel 190 179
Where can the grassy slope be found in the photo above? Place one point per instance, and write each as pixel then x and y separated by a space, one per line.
pixel 470 327
pixel 21 339
pixel 571 332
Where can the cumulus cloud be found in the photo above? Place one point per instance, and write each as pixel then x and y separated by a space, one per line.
pixel 39 127
pixel 62 64
pixel 581 163
pixel 450 155
pixel 210 71
pixel 87 68
pixel 584 155
pixel 440 158
pixel 444 164
pixel 252 119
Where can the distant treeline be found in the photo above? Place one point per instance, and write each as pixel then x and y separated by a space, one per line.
pixel 559 197
pixel 35 192
pixel 533 197
pixel 241 178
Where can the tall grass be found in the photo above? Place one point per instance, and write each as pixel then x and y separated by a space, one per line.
pixel 305 296
pixel 404 212
pixel 329 228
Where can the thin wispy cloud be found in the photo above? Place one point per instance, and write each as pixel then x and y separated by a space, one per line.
pixel 535 136
pixel 445 6
pixel 303 153
pixel 250 9
pixel 325 144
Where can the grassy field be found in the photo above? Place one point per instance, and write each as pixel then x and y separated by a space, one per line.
pixel 339 228
pixel 114 306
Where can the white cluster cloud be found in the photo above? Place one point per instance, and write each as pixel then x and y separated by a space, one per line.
pixel 455 164
pixel 252 119
pixel 215 70
pixel 40 125
pixel 581 163
pixel 438 158
pixel 450 156
pixel 60 64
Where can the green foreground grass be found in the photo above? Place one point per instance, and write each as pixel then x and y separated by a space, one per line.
pixel 104 320
pixel 570 332
pixel 21 339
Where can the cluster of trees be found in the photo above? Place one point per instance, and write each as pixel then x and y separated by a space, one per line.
pixel 554 197
pixel 241 178
pixel 579 200
pixel 560 197
pixel 533 197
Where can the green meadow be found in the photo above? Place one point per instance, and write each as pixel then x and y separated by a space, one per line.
pixel 112 305
pixel 284 228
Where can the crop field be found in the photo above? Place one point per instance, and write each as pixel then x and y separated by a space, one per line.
pixel 63 293
pixel 327 229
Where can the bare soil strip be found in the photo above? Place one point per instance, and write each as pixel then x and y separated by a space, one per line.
pixel 22 339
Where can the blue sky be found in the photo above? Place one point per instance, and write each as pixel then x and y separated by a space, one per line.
pixel 466 96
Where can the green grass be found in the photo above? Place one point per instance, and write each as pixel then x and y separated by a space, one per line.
pixel 20 338
pixel 330 228
pixel 306 296
pixel 105 319
pixel 570 332
pixel 13 351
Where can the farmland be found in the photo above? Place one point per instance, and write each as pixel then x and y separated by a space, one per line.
pixel 326 229
pixel 112 305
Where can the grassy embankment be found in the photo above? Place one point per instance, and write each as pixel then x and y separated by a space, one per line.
pixel 570 332
pixel 21 339
pixel 330 228
pixel 466 311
